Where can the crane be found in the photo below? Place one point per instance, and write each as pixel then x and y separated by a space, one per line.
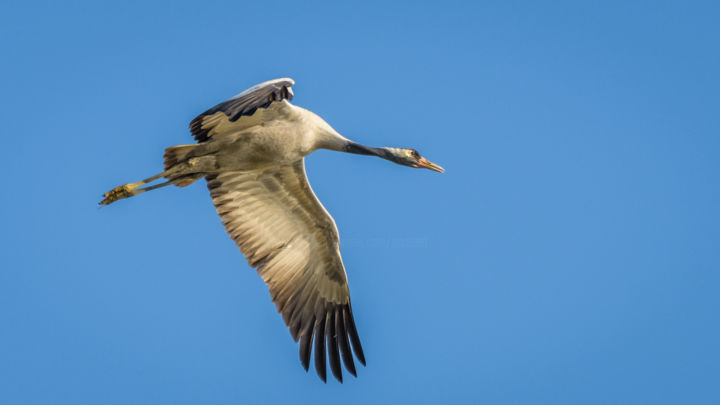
pixel 251 150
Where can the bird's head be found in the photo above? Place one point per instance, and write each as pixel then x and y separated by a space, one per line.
pixel 410 157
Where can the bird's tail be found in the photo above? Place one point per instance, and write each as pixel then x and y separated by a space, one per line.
pixel 175 154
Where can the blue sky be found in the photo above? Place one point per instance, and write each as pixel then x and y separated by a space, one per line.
pixel 568 255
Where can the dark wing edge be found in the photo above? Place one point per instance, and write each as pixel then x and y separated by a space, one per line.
pixel 333 330
pixel 245 104
pixel 313 299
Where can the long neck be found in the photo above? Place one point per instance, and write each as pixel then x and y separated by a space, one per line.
pixel 336 142
pixel 325 137
pixel 358 149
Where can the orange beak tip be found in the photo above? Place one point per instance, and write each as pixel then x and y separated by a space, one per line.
pixel 426 164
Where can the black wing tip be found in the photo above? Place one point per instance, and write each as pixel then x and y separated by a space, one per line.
pixel 320 364
pixel 330 336
pixel 332 344
pixel 322 374
pixel 353 334
pixel 342 340
pixel 360 356
pixel 306 344
pixel 305 360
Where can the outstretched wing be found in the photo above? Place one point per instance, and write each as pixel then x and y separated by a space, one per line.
pixel 283 230
pixel 244 110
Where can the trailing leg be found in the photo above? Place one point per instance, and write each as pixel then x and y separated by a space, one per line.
pixel 131 189
pixel 181 169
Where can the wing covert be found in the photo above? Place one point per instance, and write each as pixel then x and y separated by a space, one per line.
pixel 245 104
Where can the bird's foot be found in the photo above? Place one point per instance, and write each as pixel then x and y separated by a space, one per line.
pixel 120 192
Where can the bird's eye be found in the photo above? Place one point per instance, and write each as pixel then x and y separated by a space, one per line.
pixel 415 153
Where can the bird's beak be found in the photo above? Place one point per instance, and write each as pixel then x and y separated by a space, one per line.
pixel 426 164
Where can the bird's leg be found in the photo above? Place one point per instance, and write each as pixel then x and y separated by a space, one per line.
pixel 181 175
pixel 131 189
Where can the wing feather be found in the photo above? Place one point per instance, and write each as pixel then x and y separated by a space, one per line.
pixel 251 107
pixel 306 340
pixel 333 351
pixel 320 365
pixel 282 229
pixel 342 338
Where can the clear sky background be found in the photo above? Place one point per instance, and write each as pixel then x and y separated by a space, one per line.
pixel 570 253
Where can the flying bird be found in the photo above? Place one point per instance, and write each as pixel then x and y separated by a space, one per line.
pixel 250 149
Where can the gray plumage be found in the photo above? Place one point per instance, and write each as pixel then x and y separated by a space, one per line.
pixel 251 152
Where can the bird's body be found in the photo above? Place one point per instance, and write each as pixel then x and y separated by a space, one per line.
pixel 287 134
pixel 251 151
